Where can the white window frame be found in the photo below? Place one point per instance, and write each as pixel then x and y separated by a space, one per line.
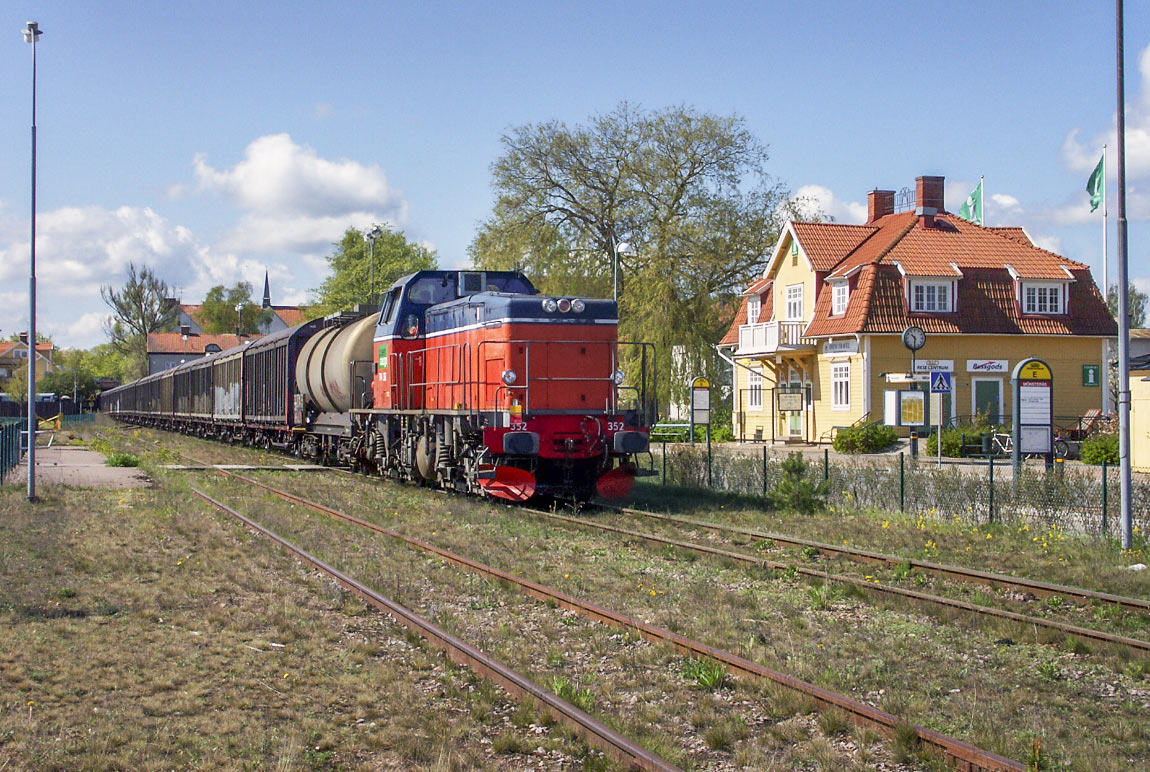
pixel 932 297
pixel 1046 298
pixel 755 389
pixel 840 297
pixel 794 302
pixel 841 385
pixel 754 308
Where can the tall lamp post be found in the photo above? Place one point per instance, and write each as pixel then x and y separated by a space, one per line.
pixel 371 236
pixel 31 35
pixel 622 248
pixel 239 320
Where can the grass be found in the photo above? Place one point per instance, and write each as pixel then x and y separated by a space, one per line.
pixel 941 669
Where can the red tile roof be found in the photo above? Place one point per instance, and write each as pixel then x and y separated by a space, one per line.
pixel 174 343
pixel 292 315
pixel 766 311
pixel 984 260
pixel 828 243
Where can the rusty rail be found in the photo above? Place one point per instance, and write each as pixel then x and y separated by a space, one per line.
pixel 462 653
pixel 962 755
pixel 868 556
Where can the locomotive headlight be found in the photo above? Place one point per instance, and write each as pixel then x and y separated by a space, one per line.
pixel 564 305
pixel 549 305
pixel 619 377
pixel 510 377
pixel 578 306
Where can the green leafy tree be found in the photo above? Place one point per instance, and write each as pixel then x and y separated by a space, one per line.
pixel 687 191
pixel 1136 303
pixel 144 305
pixel 16 387
pixel 218 313
pixel 351 268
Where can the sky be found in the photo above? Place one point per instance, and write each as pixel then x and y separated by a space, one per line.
pixel 214 140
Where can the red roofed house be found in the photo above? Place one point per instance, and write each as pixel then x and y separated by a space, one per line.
pixel 818 340
pixel 13 355
pixel 169 349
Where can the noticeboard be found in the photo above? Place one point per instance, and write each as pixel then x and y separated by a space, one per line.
pixel 700 401
pixel 1033 384
pixel 912 408
pixel 789 401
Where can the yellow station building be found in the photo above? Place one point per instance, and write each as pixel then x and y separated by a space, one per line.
pixel 818 343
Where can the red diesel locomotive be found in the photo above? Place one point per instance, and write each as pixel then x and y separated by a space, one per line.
pixel 469 380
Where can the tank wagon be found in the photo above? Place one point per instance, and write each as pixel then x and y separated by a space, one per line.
pixel 469 380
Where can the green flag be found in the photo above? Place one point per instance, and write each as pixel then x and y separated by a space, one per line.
pixel 1096 185
pixel 972 208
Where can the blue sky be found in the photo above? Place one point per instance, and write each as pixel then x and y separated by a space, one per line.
pixel 213 139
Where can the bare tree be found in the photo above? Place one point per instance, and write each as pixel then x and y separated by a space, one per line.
pixel 143 306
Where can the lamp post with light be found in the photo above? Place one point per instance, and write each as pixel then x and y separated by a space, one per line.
pixel 371 236
pixel 239 320
pixel 622 248
pixel 31 35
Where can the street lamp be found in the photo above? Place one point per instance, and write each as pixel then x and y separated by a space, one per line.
pixel 622 248
pixel 371 236
pixel 239 320
pixel 31 35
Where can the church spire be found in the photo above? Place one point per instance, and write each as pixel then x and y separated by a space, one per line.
pixel 267 292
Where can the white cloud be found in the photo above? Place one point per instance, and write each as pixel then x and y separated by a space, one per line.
pixel 278 176
pixel 1082 157
pixel 823 199
pixel 80 248
pixel 296 201
pixel 85 331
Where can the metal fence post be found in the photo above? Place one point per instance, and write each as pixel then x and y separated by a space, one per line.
pixel 991 494
pixel 901 481
pixel 764 470
pixel 664 462
pixel 1105 529
pixel 709 485
pixel 826 464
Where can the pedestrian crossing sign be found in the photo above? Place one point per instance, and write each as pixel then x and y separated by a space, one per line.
pixel 940 382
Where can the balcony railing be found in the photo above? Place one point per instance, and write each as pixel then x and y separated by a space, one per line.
pixel 767 337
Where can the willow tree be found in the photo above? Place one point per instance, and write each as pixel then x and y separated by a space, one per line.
pixel 689 194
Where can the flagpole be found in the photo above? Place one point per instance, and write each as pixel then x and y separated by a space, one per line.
pixel 1106 406
pixel 982 201
pixel 1123 309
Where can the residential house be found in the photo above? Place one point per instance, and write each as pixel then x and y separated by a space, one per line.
pixel 281 317
pixel 817 344
pixel 169 349
pixel 14 355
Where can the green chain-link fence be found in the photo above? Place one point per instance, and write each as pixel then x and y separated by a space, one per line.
pixel 978 492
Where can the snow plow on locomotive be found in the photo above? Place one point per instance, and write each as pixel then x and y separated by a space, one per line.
pixel 468 380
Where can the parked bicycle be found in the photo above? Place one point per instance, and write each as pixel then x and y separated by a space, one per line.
pixel 1003 445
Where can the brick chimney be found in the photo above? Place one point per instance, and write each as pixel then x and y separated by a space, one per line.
pixel 879 203
pixel 930 199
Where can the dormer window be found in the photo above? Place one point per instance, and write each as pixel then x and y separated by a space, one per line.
pixel 840 295
pixel 1043 298
pixel 931 296
pixel 754 308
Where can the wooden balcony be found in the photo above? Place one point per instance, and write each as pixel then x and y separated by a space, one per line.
pixel 770 337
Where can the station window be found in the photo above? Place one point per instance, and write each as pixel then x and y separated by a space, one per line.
pixel 840 295
pixel 755 390
pixel 1042 299
pixel 795 302
pixel 754 307
pixel 841 386
pixel 931 297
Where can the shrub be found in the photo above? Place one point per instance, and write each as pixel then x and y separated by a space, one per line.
pixel 795 491
pixel 951 442
pixel 1104 447
pixel 122 459
pixel 868 438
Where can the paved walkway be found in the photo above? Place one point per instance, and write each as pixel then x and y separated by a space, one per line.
pixel 83 468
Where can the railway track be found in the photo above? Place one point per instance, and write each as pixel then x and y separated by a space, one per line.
pixel 867 556
pixel 826 576
pixel 614 744
pixel 961 755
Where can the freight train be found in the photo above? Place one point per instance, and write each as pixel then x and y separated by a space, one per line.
pixel 467 380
